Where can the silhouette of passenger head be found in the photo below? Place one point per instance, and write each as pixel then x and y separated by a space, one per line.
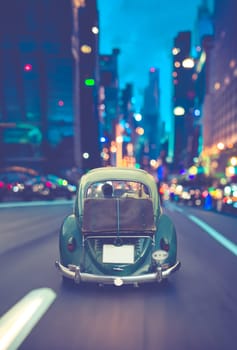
pixel 107 190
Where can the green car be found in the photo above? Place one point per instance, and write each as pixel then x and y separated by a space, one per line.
pixel 117 233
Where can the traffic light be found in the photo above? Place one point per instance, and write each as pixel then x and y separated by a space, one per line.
pixel 89 82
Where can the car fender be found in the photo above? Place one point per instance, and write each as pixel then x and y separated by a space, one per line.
pixel 70 229
pixel 166 230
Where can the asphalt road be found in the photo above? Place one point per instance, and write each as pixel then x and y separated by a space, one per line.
pixel 195 310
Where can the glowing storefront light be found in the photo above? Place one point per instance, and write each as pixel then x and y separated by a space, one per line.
pixel 230 171
pixel 220 146
pixel 233 161
pixel 153 163
pixel 119 139
pixel 193 170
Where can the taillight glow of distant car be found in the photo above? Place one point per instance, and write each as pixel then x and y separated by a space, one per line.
pixel 48 184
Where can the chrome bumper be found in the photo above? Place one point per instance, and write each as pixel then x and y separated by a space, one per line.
pixel 73 272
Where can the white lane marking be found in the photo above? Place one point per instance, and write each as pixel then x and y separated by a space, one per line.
pixel 232 247
pixel 18 322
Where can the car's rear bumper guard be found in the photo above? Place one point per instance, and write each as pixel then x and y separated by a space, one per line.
pixel 73 272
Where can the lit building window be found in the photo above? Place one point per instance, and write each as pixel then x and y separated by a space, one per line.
pixel 217 86
pixel 60 103
pixel 102 107
pixel 175 51
pixel 113 147
pixel 232 63
pixel 220 146
pixel 188 63
pixel 79 3
pixel 86 49
pixel 95 30
pixel 233 161
pixel 177 64
pixel 28 67
pixel 86 155
pixel 137 117
pixel 179 111
pixel 227 80
pixel 197 112
pixel 139 131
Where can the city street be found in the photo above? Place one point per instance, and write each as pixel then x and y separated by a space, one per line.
pixel 195 309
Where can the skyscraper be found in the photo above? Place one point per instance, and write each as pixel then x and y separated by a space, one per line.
pixel 183 101
pixel 36 104
pixel 48 86
pixel 220 104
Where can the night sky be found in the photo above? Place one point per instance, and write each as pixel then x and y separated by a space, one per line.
pixel 144 31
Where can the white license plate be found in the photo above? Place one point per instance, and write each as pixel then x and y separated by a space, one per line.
pixel 121 255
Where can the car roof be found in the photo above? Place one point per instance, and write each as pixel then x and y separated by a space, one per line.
pixel 118 173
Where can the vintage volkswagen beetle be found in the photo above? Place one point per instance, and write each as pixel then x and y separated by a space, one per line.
pixel 121 239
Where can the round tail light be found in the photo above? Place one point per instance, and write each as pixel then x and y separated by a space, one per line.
pixel 164 244
pixel 71 244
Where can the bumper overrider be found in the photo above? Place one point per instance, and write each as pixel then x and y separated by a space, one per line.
pixel 73 272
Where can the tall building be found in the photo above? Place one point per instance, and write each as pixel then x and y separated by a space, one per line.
pixel 183 101
pixel 36 70
pixel 151 115
pixel 220 104
pixel 48 86
pixel 203 25
pixel 127 126
pixel 203 42
pixel 108 104
pixel 86 30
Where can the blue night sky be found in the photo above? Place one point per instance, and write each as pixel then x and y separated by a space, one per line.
pixel 144 31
